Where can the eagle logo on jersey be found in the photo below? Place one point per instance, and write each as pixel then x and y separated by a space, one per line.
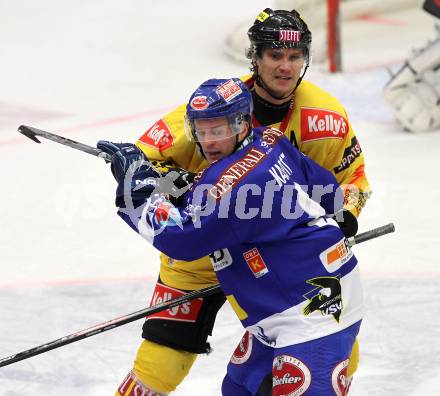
pixel 326 297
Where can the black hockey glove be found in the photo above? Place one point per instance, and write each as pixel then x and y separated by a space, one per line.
pixel 347 222
pixel 139 178
pixel 136 177
pixel 175 182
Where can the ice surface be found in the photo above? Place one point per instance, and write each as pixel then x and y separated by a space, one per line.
pixel 106 70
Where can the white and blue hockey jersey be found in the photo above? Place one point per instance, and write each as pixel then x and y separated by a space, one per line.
pixel 262 215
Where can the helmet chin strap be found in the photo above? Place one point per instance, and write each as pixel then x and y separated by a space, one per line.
pixel 259 81
pixel 239 144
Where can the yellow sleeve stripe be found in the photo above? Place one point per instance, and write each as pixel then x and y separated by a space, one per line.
pixel 239 311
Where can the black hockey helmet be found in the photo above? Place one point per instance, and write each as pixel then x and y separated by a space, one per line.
pixel 279 29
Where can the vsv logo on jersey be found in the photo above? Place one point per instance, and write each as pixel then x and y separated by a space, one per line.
pixel 326 297
pixel 158 136
pixel 319 124
pixel 255 262
pixel 186 312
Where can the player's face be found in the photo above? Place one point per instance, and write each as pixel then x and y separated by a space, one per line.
pixel 216 138
pixel 280 69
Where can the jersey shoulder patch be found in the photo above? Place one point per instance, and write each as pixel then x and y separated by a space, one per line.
pixel 158 136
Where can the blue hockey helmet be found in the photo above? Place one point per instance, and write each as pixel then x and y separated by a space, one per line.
pixel 217 98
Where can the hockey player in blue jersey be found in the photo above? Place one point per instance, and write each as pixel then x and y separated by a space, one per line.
pixel 263 213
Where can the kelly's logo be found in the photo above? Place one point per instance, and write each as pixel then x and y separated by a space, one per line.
pixel 319 124
pixel 186 312
pixel 158 136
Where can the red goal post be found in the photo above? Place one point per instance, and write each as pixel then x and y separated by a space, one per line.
pixel 334 51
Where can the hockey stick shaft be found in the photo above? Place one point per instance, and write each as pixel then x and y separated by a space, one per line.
pixel 100 328
pixel 374 233
pixel 32 134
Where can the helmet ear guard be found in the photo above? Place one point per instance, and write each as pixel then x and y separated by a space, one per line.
pixel 236 122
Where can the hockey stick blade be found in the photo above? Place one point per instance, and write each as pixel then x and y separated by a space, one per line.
pixel 32 134
pixel 111 324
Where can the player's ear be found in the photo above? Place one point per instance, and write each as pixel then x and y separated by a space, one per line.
pixel 245 131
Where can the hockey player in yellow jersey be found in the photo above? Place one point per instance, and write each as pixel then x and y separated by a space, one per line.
pixel 313 120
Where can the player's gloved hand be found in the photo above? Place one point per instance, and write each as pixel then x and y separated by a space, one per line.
pixel 347 222
pixel 175 183
pixel 136 177
pixel 182 180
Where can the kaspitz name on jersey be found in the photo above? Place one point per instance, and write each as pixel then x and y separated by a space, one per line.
pixel 350 154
